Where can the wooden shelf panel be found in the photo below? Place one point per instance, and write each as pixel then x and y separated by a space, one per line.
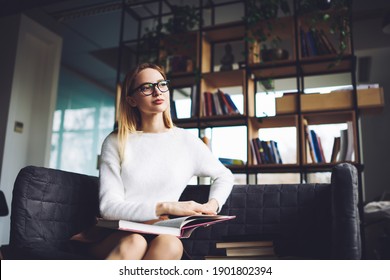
pixel 223 120
pixel 326 64
pixel 295 168
pixel 272 122
pixel 342 100
pixel 274 69
pixel 225 32
pixel 273 168
pixel 339 100
pixel 370 98
pixel 186 123
pixel 183 79
pixel 319 65
pixel 329 117
pixel 287 104
pixel 225 78
pixel 326 102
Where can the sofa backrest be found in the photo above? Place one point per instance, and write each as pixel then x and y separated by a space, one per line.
pixel 49 206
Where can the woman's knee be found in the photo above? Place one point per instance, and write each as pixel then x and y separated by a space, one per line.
pixel 171 245
pixel 131 245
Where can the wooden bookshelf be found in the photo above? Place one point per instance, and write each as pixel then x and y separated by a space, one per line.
pixel 336 107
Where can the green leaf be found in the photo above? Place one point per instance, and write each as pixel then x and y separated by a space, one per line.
pixel 326 17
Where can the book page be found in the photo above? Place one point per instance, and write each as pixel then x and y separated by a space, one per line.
pixel 176 222
pixel 196 219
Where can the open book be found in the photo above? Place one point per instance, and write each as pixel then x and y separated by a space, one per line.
pixel 181 227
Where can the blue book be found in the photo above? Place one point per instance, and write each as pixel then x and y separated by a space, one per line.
pixel 231 103
pixel 312 45
pixel 316 146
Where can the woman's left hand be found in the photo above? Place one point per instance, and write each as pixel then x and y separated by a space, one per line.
pixel 211 207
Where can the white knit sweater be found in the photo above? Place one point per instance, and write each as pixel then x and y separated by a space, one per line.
pixel 156 168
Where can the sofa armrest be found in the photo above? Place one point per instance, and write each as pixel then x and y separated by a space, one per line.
pixel 346 241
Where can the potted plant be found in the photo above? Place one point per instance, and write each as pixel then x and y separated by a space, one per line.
pixel 260 19
pixel 170 40
pixel 184 18
pixel 178 43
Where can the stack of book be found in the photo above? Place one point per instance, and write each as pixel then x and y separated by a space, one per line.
pixel 265 152
pixel 315 42
pixel 219 103
pixel 343 146
pixel 255 250
pixel 314 145
pixel 231 161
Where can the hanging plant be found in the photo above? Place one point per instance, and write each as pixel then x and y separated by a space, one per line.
pixel 184 19
pixel 149 43
pixel 332 14
pixel 260 20
pixel 177 51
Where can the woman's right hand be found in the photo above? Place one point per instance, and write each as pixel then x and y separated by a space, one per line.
pixel 182 208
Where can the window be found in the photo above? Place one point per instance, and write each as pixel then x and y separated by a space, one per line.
pixel 84 116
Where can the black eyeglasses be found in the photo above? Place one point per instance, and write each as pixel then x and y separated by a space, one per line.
pixel 148 88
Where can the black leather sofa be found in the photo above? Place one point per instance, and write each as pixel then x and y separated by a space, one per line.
pixel 305 221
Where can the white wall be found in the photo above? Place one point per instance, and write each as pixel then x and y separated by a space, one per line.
pixel 32 96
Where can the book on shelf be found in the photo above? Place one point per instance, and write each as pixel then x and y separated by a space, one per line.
pixel 265 152
pixel 347 143
pixel 309 141
pixel 323 158
pixel 246 249
pixel 315 42
pixel 226 108
pixel 311 44
pixel 244 244
pixel 231 103
pixel 335 149
pixel 351 142
pixel 304 47
pixel 320 45
pixel 231 161
pixel 331 49
pixel 255 151
pixel 173 109
pixel 269 151
pixel 194 98
pixel 219 103
pixel 278 158
pixel 250 251
pixel 317 147
pixel 181 227
pixel 343 144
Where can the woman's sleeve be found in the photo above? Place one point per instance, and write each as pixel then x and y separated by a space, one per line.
pixel 207 165
pixel 112 191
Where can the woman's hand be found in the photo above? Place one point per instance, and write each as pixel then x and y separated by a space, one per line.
pixel 211 207
pixel 187 208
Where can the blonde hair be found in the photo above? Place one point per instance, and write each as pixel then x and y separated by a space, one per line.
pixel 129 119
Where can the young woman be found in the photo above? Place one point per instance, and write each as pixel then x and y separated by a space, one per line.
pixel 145 167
